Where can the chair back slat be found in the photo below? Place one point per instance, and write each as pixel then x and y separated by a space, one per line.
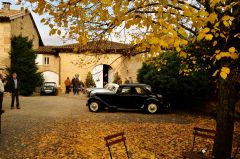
pixel 204 130
pixel 114 139
pixel 113 136
pixel 203 133
pixel 206 136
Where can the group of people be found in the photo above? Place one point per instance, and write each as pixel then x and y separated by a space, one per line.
pixel 76 84
pixel 14 87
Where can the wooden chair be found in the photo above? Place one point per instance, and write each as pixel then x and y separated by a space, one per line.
pixel 114 139
pixel 202 133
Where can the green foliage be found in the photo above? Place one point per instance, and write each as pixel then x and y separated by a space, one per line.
pixel 23 63
pixel 180 90
pixel 89 82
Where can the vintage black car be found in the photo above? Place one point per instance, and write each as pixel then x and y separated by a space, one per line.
pixel 49 88
pixel 129 96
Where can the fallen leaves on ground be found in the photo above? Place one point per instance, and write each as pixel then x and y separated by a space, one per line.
pixel 74 139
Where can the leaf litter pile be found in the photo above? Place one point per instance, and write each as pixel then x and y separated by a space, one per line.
pixel 75 139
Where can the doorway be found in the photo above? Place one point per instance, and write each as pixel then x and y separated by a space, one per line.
pixel 102 74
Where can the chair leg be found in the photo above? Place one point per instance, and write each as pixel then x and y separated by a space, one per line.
pixel 110 152
pixel 126 149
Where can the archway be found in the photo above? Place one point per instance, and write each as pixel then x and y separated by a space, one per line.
pixel 50 76
pixel 102 74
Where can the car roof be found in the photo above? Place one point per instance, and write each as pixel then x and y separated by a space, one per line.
pixel 135 84
pixel 112 84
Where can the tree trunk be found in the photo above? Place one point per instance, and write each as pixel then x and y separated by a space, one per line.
pixel 225 118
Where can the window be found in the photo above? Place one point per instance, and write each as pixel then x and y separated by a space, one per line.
pixel 125 91
pixel 139 91
pixel 46 60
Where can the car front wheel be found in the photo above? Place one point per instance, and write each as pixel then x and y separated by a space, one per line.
pixel 152 108
pixel 94 106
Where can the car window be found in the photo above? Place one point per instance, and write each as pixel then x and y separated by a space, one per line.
pixel 139 91
pixel 125 91
pixel 111 88
pixel 49 84
pixel 106 86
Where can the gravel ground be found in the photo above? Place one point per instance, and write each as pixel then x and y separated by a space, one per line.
pixel 39 115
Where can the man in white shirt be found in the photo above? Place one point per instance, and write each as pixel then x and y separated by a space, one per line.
pixel 1 93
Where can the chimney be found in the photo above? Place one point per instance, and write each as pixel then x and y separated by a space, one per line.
pixel 6 5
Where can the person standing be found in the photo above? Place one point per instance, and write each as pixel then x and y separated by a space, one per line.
pixel 67 84
pixel 1 93
pixel 14 89
pixel 81 86
pixel 73 86
pixel 130 80
pixel 119 82
pixel 126 81
pixel 76 85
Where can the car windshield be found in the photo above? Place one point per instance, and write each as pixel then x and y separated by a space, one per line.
pixel 50 84
pixel 106 86
pixel 112 88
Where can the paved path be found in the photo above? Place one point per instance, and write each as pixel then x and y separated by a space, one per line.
pixel 40 114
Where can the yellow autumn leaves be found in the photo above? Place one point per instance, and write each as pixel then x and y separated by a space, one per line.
pixel 223 73
pixel 232 53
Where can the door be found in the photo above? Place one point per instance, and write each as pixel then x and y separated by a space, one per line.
pixel 97 74
pixel 139 96
pixel 123 98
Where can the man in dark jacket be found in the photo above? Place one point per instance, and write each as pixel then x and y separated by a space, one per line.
pixel 14 88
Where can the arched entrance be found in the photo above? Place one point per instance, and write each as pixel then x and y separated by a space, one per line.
pixel 50 76
pixel 102 74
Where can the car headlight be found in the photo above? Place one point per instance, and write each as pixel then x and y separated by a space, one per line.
pixel 159 95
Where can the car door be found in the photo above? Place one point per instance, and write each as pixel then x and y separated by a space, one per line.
pixel 139 96
pixel 123 97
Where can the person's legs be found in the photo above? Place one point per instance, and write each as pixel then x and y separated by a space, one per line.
pixel 74 90
pixel 77 90
pixel 17 99
pixel 68 89
pixel 1 101
pixel 13 98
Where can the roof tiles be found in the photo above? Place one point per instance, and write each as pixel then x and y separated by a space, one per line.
pixel 93 46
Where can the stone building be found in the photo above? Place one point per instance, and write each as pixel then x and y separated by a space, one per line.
pixel 14 23
pixel 102 58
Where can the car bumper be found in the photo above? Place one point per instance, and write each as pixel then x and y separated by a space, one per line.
pixel 48 91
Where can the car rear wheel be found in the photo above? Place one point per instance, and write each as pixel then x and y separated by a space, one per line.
pixel 152 108
pixel 94 106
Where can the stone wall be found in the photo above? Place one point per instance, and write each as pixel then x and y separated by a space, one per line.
pixel 52 66
pixel 81 64
pixel 5 44
pixel 25 26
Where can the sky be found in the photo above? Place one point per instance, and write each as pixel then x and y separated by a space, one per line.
pixel 56 39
